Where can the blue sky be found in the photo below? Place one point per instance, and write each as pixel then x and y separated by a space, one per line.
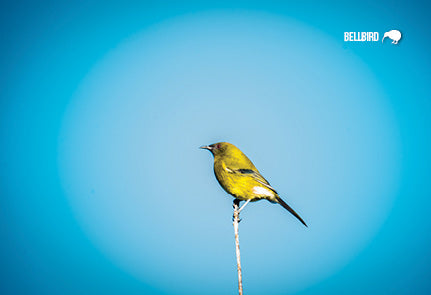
pixel 104 106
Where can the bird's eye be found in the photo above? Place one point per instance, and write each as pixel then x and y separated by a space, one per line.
pixel 218 146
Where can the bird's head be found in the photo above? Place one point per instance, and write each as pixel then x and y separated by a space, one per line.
pixel 219 148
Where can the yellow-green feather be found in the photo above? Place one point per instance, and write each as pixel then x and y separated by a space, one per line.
pixel 242 186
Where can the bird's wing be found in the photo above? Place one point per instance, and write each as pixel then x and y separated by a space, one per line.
pixel 256 176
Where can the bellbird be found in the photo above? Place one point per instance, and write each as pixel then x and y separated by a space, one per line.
pixel 239 177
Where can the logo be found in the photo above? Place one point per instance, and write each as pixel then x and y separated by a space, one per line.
pixel 361 36
pixel 394 35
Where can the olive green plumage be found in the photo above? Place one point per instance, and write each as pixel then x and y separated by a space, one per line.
pixel 239 177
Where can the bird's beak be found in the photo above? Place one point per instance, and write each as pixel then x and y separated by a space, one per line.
pixel 205 147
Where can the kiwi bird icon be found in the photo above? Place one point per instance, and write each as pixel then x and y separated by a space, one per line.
pixel 395 35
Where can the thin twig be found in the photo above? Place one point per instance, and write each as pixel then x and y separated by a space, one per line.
pixel 236 212
pixel 243 206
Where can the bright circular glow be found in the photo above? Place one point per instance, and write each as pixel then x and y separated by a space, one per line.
pixel 308 113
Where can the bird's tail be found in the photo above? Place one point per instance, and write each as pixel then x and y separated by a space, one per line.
pixel 288 208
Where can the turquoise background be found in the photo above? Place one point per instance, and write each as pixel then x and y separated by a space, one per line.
pixel 103 107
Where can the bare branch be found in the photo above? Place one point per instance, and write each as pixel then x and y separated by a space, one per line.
pixel 236 212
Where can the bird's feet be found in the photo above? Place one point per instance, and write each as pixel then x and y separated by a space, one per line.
pixel 235 206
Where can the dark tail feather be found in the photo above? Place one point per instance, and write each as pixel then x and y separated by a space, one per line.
pixel 288 208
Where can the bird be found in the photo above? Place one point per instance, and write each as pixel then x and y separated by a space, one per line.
pixel 395 35
pixel 238 176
